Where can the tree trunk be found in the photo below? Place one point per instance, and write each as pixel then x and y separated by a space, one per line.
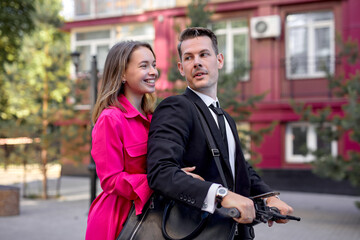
pixel 24 178
pixel 44 182
pixel 45 123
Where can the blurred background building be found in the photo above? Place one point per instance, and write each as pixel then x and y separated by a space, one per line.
pixel 286 43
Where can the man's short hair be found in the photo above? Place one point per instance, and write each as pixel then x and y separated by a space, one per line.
pixel 194 32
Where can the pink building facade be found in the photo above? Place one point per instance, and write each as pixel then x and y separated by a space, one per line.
pixel 284 42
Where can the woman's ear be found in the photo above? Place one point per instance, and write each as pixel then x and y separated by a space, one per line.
pixel 123 79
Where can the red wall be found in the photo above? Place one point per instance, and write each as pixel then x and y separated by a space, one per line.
pixel 267 55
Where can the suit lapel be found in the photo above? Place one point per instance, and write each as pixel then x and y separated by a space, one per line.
pixel 214 131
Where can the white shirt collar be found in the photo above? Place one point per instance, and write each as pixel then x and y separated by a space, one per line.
pixel 206 99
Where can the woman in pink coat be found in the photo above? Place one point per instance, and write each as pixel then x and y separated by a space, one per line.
pixel 122 116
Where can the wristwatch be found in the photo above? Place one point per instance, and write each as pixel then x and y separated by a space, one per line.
pixel 265 199
pixel 221 192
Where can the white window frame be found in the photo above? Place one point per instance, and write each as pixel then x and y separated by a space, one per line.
pixel 230 32
pixel 94 43
pixel 148 5
pixel 311 140
pixel 91 13
pixel 143 37
pixel 114 38
pixel 311 58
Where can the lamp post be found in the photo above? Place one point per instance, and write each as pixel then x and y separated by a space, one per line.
pixel 93 95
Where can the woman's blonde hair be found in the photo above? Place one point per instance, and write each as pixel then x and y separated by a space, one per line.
pixel 111 84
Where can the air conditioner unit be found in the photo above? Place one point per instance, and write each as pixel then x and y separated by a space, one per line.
pixel 265 26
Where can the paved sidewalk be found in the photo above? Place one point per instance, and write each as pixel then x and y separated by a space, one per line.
pixel 324 217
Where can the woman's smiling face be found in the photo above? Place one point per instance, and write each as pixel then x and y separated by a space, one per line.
pixel 141 73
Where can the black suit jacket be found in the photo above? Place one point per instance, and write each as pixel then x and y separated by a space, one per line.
pixel 177 140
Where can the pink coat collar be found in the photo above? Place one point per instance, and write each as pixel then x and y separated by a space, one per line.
pixel 130 110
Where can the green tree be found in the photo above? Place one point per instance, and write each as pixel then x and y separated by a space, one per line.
pixel 241 107
pixel 15 22
pixel 38 87
pixel 199 14
pixel 332 127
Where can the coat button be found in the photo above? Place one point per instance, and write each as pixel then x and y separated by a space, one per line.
pixel 193 201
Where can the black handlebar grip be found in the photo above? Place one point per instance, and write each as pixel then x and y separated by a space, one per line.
pixel 229 212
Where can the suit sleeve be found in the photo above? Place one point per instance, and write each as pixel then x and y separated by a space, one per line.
pixel 169 134
pixel 258 186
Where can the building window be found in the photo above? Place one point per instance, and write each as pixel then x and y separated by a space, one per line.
pixel 92 43
pixel 301 136
pixel 138 32
pixel 98 42
pixel 310 45
pixel 233 42
pixel 82 7
pixel 92 8
pixel 119 7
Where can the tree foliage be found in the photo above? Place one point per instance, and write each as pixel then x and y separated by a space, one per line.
pixel 38 86
pixel 332 127
pixel 240 107
pixel 15 22
pixel 198 13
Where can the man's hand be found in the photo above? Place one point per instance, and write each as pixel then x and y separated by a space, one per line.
pixel 188 171
pixel 243 204
pixel 282 206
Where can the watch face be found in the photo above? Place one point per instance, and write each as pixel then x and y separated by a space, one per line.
pixel 222 191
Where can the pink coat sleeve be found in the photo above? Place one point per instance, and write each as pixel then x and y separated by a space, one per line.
pixel 108 153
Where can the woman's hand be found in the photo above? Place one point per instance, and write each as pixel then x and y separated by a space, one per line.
pixel 188 171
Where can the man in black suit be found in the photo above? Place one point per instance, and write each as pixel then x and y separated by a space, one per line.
pixel 177 140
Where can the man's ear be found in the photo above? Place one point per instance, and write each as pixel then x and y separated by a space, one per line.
pixel 181 69
pixel 220 60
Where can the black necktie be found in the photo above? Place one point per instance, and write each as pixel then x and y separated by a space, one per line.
pixel 221 121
